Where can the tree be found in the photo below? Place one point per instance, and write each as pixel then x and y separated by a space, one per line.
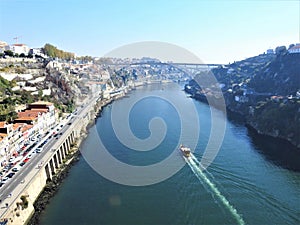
pixel 40 94
pixel 291 45
pixel 54 52
pixel 22 55
pixel 280 50
pixel 9 53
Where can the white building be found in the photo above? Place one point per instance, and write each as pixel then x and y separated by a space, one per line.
pixel 295 49
pixel 18 48
pixel 270 51
pixel 36 51
pixel 3 44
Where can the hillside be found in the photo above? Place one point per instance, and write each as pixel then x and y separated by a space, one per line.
pixel 281 76
pixel 24 81
pixel 263 90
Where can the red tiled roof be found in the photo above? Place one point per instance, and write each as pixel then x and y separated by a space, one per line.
pixel 28 113
pixel 38 110
pixel 295 47
pixel 25 118
pixel 20 45
pixel 16 126
pixel 2 124
pixel 2 136
pixel 27 127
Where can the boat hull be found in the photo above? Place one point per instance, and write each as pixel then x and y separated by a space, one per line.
pixel 185 151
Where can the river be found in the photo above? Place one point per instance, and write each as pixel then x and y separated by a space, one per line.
pixel 250 181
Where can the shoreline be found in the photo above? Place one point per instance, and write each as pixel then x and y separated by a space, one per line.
pixel 234 115
pixel 52 187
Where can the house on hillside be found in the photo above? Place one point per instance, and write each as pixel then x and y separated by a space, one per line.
pixel 18 48
pixel 270 51
pixel 295 49
pixel 3 44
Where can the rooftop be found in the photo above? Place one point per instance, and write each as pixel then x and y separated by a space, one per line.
pixel 27 118
pixel 42 103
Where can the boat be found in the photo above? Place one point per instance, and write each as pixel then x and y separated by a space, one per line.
pixel 185 151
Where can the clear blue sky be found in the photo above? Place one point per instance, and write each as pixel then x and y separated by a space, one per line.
pixel 216 31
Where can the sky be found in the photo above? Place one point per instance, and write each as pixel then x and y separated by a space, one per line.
pixel 216 31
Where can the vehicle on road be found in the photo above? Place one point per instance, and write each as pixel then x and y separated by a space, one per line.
pixel 26 160
pixel 15 169
pixel 39 150
pixel 10 175
pixel 4 180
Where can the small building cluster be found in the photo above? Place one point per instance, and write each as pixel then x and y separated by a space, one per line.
pixel 295 49
pixel 21 49
pixel 35 120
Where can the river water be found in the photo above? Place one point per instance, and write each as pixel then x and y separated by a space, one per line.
pixel 251 180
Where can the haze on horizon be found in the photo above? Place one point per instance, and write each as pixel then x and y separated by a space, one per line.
pixel 215 31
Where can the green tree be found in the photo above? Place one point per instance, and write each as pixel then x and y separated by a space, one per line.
pixel 40 94
pixel 9 53
pixel 54 52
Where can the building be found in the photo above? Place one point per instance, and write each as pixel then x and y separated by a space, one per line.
pixel 36 119
pixel 37 52
pixel 11 140
pixel 41 115
pixel 3 45
pixel 270 51
pixel 18 48
pixel 295 49
pixel 48 109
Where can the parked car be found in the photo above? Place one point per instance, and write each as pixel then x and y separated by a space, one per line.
pixel 11 159
pixel 15 169
pixel 4 180
pixel 26 160
pixel 10 175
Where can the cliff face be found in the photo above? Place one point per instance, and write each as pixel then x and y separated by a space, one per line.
pixel 265 91
pixel 277 119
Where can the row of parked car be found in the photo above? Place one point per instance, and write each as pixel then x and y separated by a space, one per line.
pixel 25 153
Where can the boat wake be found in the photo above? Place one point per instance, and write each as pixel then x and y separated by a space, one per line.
pixel 197 169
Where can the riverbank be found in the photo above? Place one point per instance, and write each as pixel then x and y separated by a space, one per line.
pixel 51 188
pixel 53 185
pixel 243 115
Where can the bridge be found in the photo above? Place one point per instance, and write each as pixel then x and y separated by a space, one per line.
pixel 189 69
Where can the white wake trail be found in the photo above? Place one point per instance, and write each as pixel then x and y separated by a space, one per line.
pixel 192 162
